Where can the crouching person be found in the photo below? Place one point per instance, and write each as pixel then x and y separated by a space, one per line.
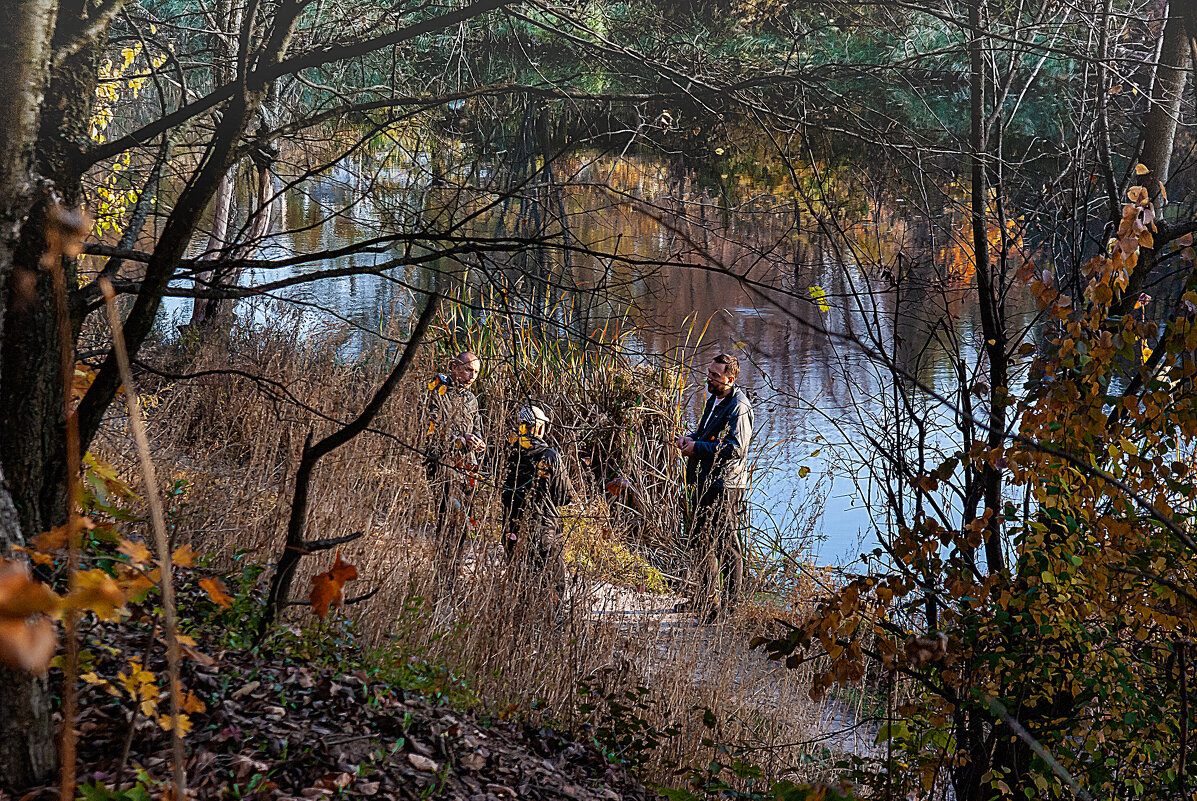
pixel 536 484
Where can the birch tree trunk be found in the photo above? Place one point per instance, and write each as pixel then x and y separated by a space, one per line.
pixel 26 734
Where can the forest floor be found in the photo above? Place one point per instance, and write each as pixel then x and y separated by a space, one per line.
pixel 276 727
pixel 285 721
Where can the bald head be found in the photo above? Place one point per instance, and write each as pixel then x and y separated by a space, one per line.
pixel 465 368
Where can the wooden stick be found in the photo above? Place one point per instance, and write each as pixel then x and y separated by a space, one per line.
pixel 158 520
pixel 65 226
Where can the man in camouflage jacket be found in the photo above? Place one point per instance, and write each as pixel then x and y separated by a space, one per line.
pixel 453 447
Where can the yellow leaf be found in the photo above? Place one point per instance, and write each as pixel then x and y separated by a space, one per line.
pixel 106 473
pixel 181 724
pixel 1141 169
pixel 819 296
pixel 98 592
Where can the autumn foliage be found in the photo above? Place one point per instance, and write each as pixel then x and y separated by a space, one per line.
pixel 1084 639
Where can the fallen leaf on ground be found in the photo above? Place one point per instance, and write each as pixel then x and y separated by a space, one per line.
pixel 422 763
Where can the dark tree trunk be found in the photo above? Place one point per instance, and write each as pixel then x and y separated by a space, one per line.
pixel 988 302
pixel 26 733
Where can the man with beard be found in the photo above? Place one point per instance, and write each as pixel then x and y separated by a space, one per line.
pixel 717 472
pixel 454 444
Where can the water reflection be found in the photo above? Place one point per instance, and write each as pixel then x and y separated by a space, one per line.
pixel 699 268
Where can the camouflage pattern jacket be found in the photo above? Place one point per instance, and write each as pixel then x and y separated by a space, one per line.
pixel 452 414
pixel 536 484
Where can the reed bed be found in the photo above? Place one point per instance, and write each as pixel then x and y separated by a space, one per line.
pixel 228 437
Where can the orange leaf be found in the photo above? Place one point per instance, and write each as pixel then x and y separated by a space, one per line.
pixel 192 703
pixel 136 583
pixel 37 557
pixel 137 552
pixel 326 587
pixel 343 571
pixel 324 593
pixel 27 645
pixel 56 538
pixel 217 592
pixel 184 556
pixel 20 595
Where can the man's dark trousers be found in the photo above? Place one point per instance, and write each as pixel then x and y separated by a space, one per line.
pixel 717 522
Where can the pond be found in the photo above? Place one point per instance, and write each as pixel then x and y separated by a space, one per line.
pixel 696 266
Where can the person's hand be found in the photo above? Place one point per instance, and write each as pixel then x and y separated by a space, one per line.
pixel 686 446
pixel 475 443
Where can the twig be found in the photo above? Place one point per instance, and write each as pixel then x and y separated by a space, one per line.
pixel 158 519
pixel 128 742
pixel 312 546
pixel 357 599
pixel 54 259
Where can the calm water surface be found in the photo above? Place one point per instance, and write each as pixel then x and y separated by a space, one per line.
pixel 818 400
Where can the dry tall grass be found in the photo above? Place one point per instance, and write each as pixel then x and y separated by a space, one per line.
pixel 235 441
